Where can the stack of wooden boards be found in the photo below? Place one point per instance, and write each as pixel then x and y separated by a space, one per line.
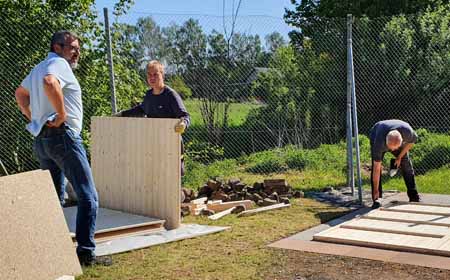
pixel 413 227
pixel 222 209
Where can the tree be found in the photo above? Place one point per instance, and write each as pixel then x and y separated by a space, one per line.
pixel 274 40
pixel 26 27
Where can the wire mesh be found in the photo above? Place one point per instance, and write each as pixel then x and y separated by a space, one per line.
pixel 259 100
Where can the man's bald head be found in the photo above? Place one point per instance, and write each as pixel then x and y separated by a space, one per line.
pixel 394 140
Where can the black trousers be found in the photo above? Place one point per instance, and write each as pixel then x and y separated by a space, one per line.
pixel 407 171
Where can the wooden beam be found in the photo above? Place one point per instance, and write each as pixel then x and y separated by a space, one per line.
pixel 227 205
pixel 221 214
pixel 262 209
pixel 414 211
pixel 406 221
pixel 393 231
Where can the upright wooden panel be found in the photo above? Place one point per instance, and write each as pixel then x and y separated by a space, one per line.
pixel 136 166
pixel 35 242
pixel 410 227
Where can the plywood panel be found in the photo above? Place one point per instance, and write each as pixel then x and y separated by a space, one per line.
pixel 409 227
pixel 35 241
pixel 383 240
pixel 399 227
pixel 136 166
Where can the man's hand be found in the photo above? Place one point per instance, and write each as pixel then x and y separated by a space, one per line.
pixel 118 114
pixel 398 161
pixel 58 121
pixel 180 127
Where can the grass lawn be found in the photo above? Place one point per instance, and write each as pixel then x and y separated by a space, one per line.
pixel 434 181
pixel 237 114
pixel 238 253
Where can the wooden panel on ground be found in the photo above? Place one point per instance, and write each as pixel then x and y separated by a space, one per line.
pixel 114 224
pixel 263 209
pixel 136 166
pixel 248 204
pixel 407 227
pixel 35 242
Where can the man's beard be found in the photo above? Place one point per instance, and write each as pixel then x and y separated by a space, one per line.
pixel 73 65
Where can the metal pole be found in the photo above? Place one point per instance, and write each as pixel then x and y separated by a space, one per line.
pixel 355 115
pixel 350 172
pixel 4 168
pixel 110 62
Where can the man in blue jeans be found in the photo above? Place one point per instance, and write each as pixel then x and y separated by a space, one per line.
pixel 50 98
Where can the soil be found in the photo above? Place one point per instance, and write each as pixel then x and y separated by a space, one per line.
pixel 312 266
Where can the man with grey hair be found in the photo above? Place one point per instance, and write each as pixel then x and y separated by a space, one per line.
pixel 50 98
pixel 397 137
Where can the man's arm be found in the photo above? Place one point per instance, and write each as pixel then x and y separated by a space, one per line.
pixel 23 101
pixel 403 152
pixel 376 175
pixel 53 90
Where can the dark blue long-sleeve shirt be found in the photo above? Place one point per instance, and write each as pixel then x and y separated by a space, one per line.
pixel 167 104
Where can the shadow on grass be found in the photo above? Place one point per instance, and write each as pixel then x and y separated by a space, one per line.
pixel 327 216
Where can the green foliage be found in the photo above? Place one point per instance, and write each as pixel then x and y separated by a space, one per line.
pixel 198 173
pixel 431 152
pixel 266 162
pixel 296 159
pixel 203 152
pixel 178 84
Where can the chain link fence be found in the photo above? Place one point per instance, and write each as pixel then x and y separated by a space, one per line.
pixel 262 105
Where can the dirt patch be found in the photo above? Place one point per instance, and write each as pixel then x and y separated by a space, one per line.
pixel 297 265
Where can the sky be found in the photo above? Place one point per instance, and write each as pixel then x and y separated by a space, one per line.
pixel 260 17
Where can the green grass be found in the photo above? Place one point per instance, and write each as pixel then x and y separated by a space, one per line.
pixel 237 113
pixel 435 181
pixel 303 169
pixel 235 254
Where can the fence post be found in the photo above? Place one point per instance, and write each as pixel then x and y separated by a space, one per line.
pixel 350 172
pixel 355 115
pixel 110 62
pixel 3 168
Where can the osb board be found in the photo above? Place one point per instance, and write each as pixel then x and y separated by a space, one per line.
pixel 417 228
pixel 35 242
pixel 136 166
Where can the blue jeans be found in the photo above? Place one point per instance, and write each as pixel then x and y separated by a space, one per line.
pixel 61 149
pixel 59 182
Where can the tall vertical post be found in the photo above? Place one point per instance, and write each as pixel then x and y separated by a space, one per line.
pixel 350 172
pixel 3 168
pixel 110 62
pixel 355 114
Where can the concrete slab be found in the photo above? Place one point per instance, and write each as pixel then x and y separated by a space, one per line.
pixel 303 240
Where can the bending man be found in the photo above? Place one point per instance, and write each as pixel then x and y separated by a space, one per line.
pixel 397 137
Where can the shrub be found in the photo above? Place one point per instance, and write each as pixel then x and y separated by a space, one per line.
pixel 266 162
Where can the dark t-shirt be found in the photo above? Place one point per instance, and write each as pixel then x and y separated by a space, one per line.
pixel 379 132
pixel 168 104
